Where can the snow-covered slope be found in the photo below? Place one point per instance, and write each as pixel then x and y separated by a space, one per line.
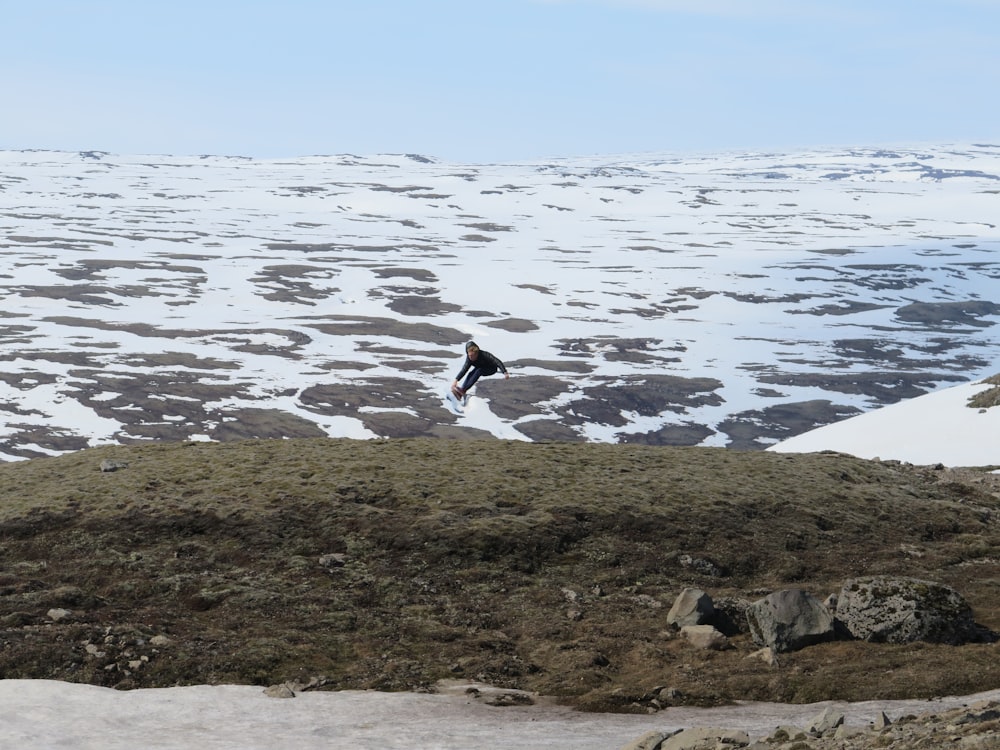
pixel 728 299
pixel 939 427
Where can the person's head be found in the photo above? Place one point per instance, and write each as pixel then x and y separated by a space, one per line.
pixel 472 350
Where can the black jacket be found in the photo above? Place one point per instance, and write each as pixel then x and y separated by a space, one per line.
pixel 486 362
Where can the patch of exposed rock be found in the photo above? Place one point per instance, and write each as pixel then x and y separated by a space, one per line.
pixel 974 727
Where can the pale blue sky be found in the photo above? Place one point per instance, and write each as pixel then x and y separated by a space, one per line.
pixel 488 80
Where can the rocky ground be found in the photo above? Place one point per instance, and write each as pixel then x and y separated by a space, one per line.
pixel 972 727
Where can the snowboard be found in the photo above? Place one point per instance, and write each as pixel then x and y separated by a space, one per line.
pixel 456 403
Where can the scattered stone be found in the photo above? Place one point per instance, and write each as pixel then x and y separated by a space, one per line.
pixel 500 697
pixel 508 698
pixel 159 641
pixel 645 600
pixel 571 596
pixel 786 734
pixel 700 565
pixel 108 465
pixel 705 637
pixel 279 691
pixel 823 722
pixel 975 727
pixel 58 614
pixel 789 620
pixel 298 686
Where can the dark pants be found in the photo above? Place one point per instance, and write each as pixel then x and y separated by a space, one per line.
pixel 474 374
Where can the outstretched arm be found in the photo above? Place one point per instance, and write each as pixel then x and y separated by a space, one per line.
pixel 495 361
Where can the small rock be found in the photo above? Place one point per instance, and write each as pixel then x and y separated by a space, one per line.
pixel 159 641
pixel 279 691
pixel 57 614
pixel 786 734
pixel 333 560
pixel 509 698
pixel 109 465
pixel 649 741
pixel 705 637
pixel 823 722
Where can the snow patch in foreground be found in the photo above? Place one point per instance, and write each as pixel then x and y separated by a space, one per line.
pixel 47 714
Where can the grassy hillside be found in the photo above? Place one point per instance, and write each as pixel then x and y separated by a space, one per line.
pixel 550 567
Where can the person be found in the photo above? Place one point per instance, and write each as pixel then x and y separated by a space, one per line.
pixel 479 363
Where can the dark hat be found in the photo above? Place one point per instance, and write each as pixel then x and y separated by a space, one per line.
pixel 470 345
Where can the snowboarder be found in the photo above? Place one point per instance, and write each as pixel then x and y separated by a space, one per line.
pixel 478 363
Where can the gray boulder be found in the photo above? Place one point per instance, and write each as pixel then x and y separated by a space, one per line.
pixel 886 609
pixel 692 607
pixel 789 620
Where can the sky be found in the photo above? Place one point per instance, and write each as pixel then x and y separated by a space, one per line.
pixel 482 81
